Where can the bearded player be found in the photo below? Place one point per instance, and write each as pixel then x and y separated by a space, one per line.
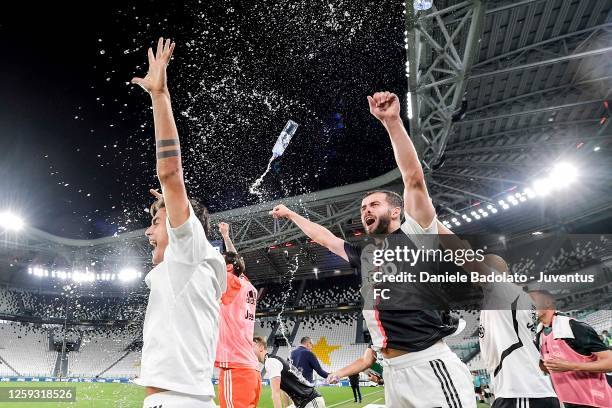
pixel 239 379
pixel 411 341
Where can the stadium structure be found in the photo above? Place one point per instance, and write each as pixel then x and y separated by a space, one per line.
pixel 508 104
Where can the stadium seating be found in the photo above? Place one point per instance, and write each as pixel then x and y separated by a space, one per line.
pixel 8 301
pixel 25 348
pixel 98 350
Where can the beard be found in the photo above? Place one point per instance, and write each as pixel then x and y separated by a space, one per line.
pixel 383 225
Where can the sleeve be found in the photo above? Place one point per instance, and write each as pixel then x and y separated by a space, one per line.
pixel 410 226
pixel 273 367
pixel 586 338
pixel 187 243
pixel 421 237
pixel 314 362
pixel 353 252
pixel 233 288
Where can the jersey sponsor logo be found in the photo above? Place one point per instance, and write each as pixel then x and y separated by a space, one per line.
pixel 251 297
pixel 249 316
pixel 481 331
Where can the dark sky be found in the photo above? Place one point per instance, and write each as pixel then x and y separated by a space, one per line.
pixel 77 153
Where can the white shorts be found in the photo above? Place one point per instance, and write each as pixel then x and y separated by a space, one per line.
pixel 318 402
pixel 434 377
pixel 172 399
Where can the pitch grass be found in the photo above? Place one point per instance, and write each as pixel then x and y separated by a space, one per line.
pixel 100 395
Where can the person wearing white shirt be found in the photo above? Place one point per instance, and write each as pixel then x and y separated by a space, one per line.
pixel 189 277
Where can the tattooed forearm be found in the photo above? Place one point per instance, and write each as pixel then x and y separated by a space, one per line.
pixel 164 154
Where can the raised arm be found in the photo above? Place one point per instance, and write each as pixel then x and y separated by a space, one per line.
pixel 385 107
pixel 317 233
pixel 224 230
pixel 169 167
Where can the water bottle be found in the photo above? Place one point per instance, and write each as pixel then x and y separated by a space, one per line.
pixel 284 138
pixel 422 4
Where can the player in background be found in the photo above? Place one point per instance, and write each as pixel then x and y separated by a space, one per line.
pixel 506 333
pixel 415 356
pixel 240 378
pixel 574 356
pixel 182 317
pixel 287 378
pixel 305 360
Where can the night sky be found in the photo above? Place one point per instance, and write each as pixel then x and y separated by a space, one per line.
pixel 77 155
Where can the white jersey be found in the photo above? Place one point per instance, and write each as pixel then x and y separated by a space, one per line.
pixel 182 318
pixel 506 344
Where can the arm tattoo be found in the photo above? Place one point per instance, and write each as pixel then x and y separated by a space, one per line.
pixel 168 153
pixel 167 143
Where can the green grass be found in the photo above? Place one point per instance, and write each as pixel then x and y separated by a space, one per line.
pixel 99 395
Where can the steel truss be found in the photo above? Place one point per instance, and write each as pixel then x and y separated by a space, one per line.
pixel 439 59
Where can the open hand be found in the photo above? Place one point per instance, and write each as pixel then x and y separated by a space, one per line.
pixel 156 82
pixel 558 365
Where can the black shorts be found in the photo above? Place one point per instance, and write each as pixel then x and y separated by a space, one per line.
pixel 550 402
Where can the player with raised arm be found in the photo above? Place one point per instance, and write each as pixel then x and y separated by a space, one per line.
pixel 182 317
pixel 415 356
pixel 239 379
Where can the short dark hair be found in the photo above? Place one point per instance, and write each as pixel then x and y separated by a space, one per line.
pixel 233 258
pixel 259 340
pixel 394 199
pixel 305 340
pixel 199 209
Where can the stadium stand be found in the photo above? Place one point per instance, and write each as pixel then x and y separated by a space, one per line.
pixel 25 350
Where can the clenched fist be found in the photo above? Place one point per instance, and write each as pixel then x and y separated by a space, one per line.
pixel 384 106
pixel 281 211
pixel 224 229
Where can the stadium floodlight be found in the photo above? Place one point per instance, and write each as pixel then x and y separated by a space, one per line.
pixel 468 219
pixel 464 216
pixel 563 174
pixel 315 270
pixel 10 221
pixel 477 216
pixel 501 202
pixel 536 233
pixel 505 206
pixel 485 214
pixel 596 148
pixel 127 275
pixel 454 219
pixel 494 210
pixel 542 186
pixel 458 223
pixel 473 213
